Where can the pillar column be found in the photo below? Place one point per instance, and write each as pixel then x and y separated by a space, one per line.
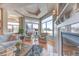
pixel 39 28
pixel 59 43
pixel 3 21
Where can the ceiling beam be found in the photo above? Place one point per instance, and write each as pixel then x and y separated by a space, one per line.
pixel 61 12
pixel 19 13
pixel 24 15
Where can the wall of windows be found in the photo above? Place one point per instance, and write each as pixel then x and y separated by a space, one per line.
pixel 35 26
pixel 43 27
pixel 30 27
pixel 13 27
pixel 47 26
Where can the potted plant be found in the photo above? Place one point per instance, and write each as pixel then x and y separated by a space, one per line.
pixel 18 46
pixel 21 32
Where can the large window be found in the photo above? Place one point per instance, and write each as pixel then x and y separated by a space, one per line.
pixel 35 26
pixel 13 27
pixel 47 26
pixel 30 27
pixel 44 28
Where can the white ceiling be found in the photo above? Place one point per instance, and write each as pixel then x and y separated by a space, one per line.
pixel 21 9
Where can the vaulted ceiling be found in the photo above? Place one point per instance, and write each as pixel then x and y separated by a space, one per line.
pixel 34 10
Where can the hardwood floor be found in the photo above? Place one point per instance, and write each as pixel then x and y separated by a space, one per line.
pixel 47 48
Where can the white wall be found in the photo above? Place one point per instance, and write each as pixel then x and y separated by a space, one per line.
pixel 28 19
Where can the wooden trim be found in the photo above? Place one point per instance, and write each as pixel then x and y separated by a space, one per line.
pixel 1 22
pixel 62 12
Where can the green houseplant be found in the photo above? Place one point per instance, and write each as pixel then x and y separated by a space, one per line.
pixel 21 32
pixel 17 44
